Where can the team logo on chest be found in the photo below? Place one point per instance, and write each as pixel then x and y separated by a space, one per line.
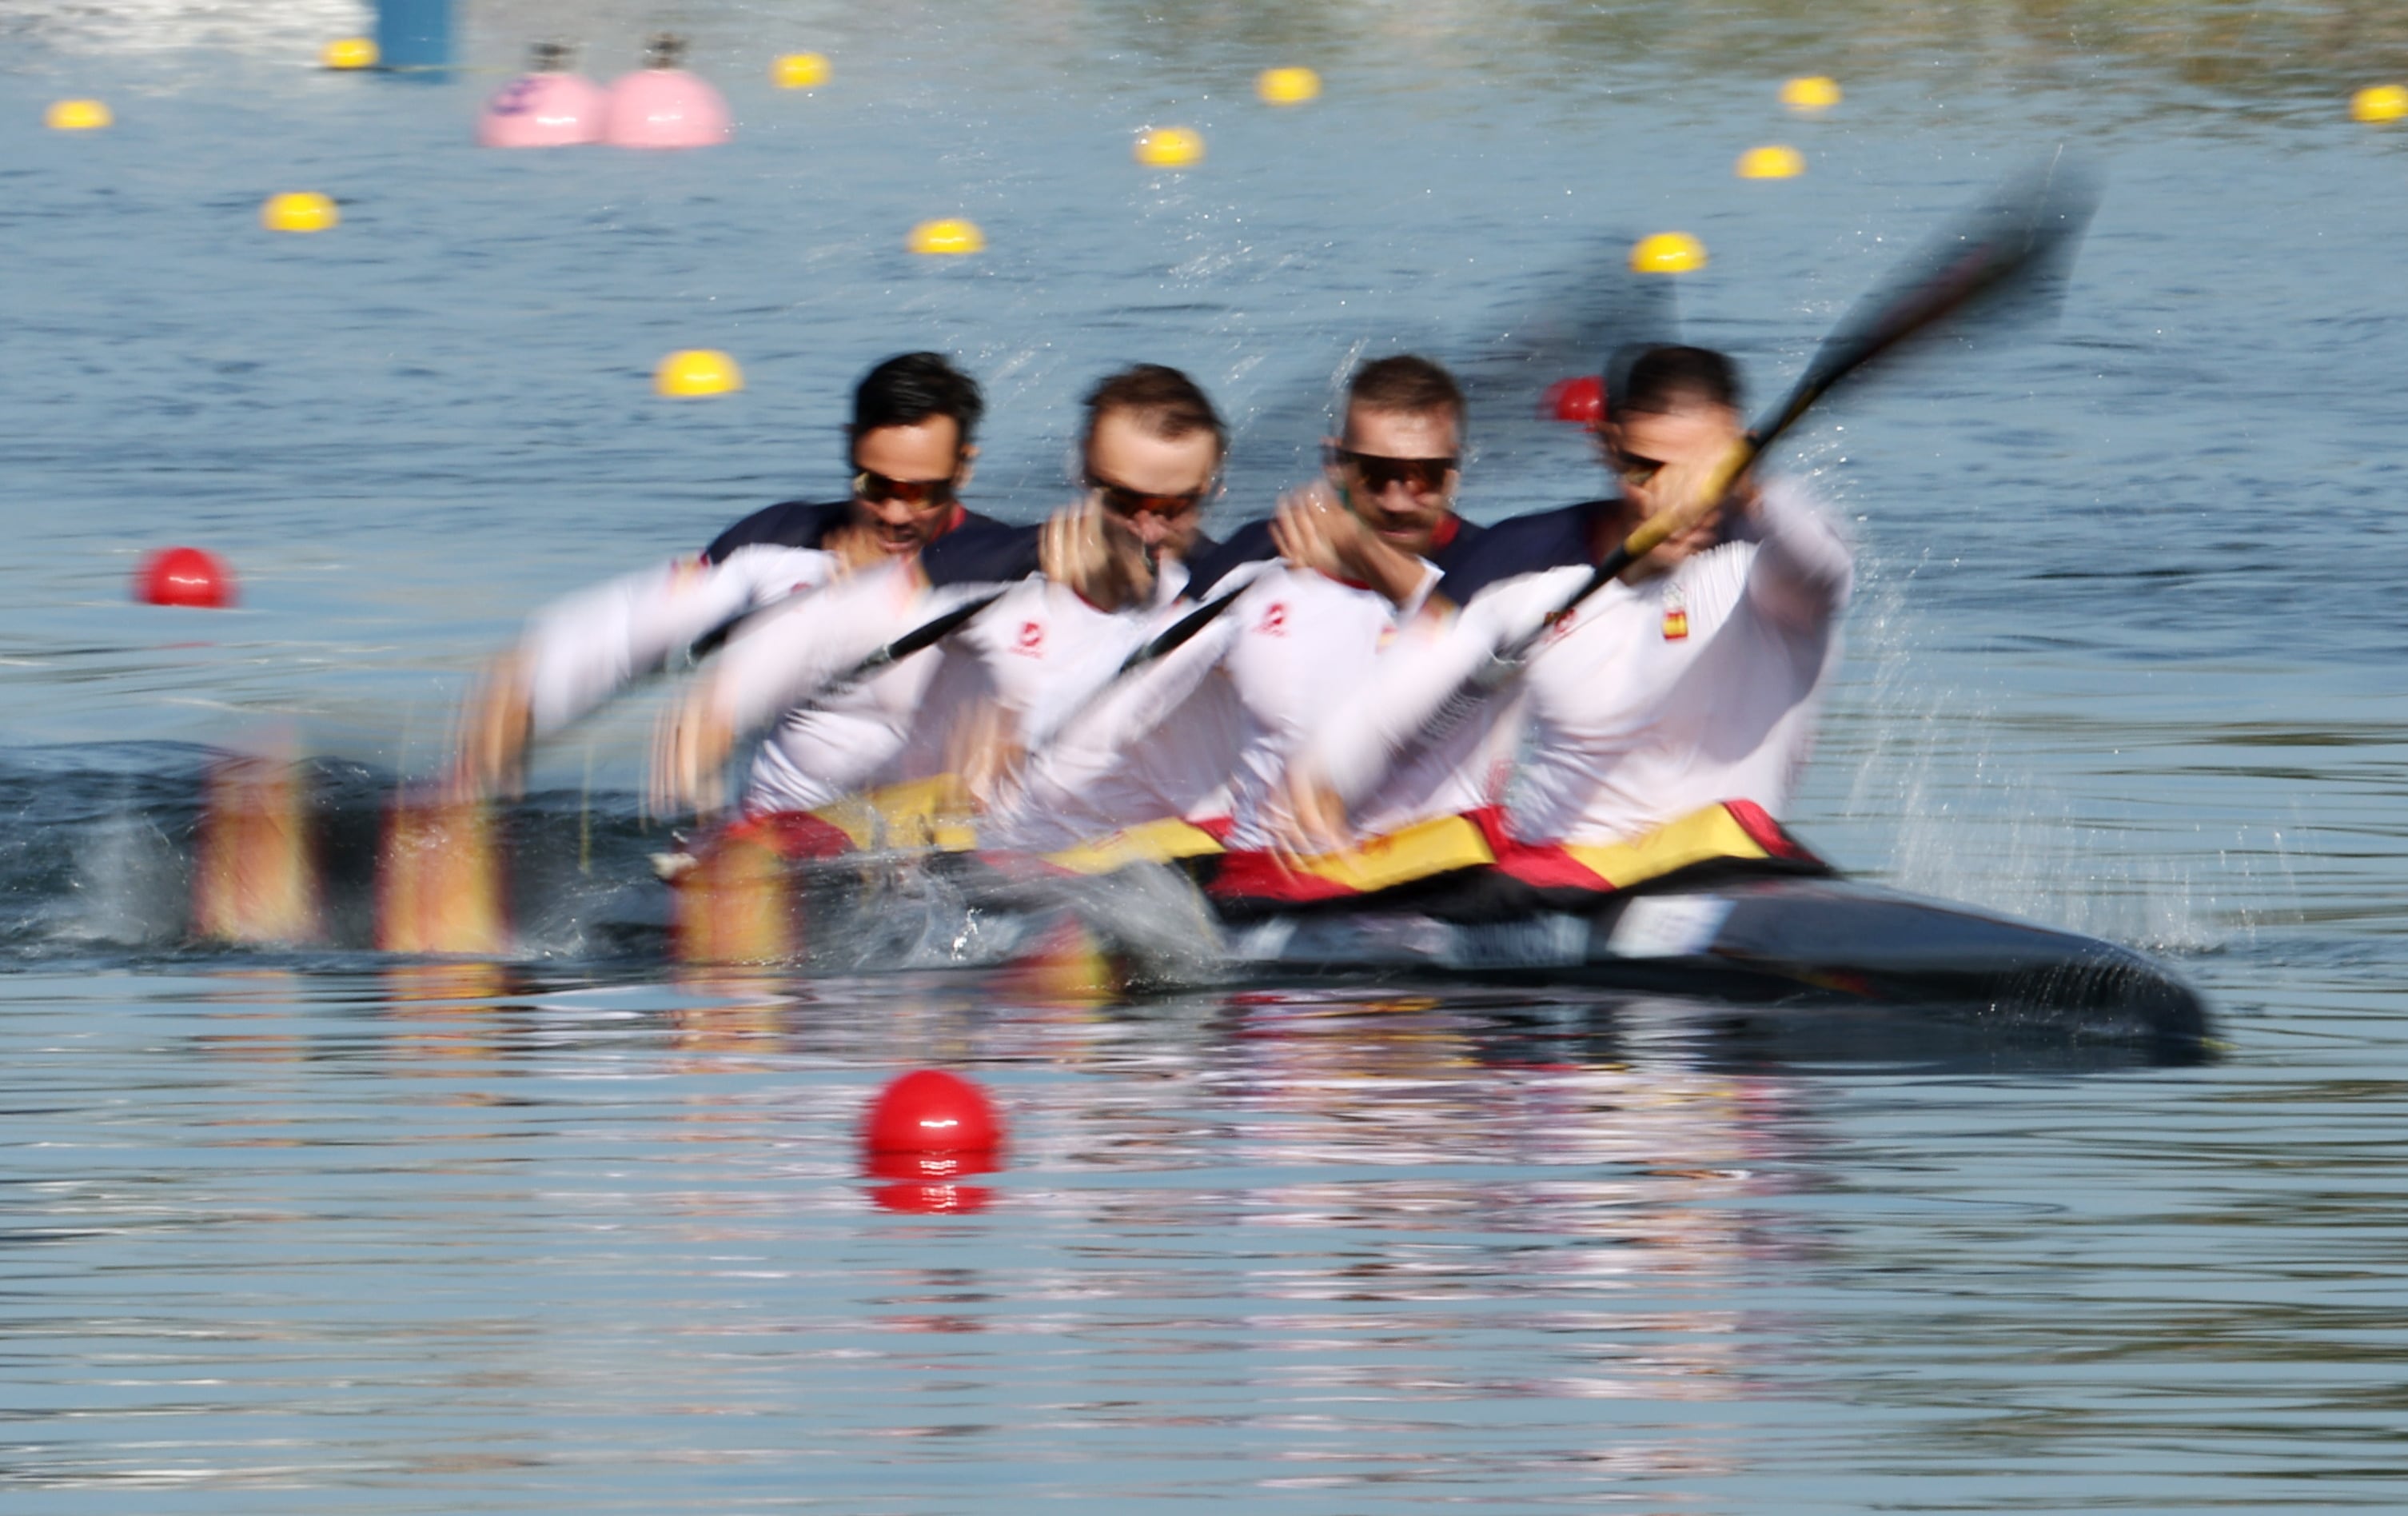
pixel 1274 621
pixel 1676 614
pixel 1032 640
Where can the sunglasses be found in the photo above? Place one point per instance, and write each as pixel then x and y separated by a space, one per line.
pixel 1421 476
pixel 1123 501
pixel 919 494
pixel 1631 468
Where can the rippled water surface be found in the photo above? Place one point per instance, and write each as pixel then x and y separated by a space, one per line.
pixel 317 1231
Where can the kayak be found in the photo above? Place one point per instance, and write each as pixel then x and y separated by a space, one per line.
pixel 1756 939
pixel 1721 906
pixel 1766 940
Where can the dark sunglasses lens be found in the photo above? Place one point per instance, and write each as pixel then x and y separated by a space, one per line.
pixel 1122 501
pixel 918 494
pixel 1419 475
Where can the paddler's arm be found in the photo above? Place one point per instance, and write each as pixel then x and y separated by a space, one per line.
pixel 776 663
pixel 1076 549
pixel 1803 571
pixel 582 650
pixel 1354 752
pixel 1313 529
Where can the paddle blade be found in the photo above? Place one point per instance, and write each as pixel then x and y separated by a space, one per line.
pixel 1590 319
pixel 255 875
pixel 439 879
pixel 2004 261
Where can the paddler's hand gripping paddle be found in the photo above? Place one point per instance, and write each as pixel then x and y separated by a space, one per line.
pixel 2009 247
pixel 2004 256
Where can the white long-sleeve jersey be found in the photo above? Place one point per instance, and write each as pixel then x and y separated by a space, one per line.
pixel 1035 647
pixel 1648 701
pixel 581 649
pixel 1206 732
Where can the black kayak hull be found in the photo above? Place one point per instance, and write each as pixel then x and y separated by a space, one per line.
pixel 1756 941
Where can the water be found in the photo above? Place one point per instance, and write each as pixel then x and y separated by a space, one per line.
pixel 316 1231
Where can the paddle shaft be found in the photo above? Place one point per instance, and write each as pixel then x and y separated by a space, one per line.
pixel 927 633
pixel 2001 250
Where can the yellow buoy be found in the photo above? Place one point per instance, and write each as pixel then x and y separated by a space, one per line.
pixel 1668 253
pixel 697 371
pixel 800 70
pixel 1813 91
pixel 1169 147
pixel 949 236
pixel 77 116
pixel 1288 86
pixel 349 53
pixel 1773 162
pixel 299 210
pixel 2379 103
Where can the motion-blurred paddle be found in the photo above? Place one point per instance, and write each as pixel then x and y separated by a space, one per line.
pixel 255 872
pixel 440 876
pixel 2005 259
pixel 1584 316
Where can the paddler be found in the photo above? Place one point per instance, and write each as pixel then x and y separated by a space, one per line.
pixel 1204 735
pixel 910 452
pixel 1692 680
pixel 1395 463
pixel 1108 565
pixel 1125 409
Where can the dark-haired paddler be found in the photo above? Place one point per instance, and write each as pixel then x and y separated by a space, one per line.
pixel 910 448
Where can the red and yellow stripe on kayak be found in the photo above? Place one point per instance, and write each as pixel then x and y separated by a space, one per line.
pixel 1735 829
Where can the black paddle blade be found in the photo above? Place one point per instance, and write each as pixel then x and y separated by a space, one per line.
pixel 2004 261
pixel 1567 323
pixel 1564 321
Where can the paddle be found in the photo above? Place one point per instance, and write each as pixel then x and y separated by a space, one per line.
pixel 439 886
pixel 2003 256
pixel 255 877
pixel 926 634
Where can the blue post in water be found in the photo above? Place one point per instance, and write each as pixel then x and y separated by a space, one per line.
pixel 415 33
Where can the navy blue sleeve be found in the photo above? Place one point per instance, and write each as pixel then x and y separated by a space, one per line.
pixel 1458 547
pixel 1249 544
pixel 1530 544
pixel 792 523
pixel 981 551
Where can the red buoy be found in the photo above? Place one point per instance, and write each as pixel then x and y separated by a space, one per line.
pixel 931 1112
pixel 1581 399
pixel 932 1199
pixel 184 577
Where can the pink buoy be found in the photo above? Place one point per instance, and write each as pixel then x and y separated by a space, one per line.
pixel 548 106
pixel 661 105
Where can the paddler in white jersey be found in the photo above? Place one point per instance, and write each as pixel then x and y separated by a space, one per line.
pixel 1694 678
pixel 910 452
pixel 1205 734
pixel 1101 573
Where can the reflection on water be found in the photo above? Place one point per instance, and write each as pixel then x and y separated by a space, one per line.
pixel 430 1236
pixel 292 1228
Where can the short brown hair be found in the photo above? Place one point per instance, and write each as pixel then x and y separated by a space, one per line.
pixel 1170 403
pixel 1407 383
